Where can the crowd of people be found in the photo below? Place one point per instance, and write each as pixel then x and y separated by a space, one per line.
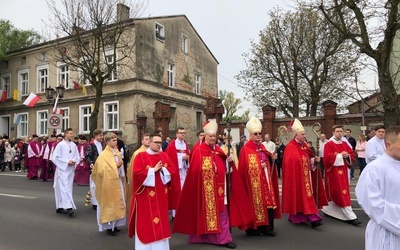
pixel 216 185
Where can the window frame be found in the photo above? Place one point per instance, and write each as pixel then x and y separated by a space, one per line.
pixel 185 44
pixel 39 77
pixel 24 89
pixel 41 123
pixel 197 84
pixel 82 118
pixel 159 31
pixel 171 75
pixel 6 86
pixel 114 75
pixel 22 127
pixel 106 113
pixel 63 77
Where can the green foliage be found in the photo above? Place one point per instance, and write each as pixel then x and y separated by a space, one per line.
pixel 12 38
pixel 231 104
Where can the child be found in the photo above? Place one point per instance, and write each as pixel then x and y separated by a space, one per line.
pixel 17 159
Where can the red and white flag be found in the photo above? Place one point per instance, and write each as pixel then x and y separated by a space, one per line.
pixel 58 111
pixel 55 105
pixel 3 95
pixel 31 100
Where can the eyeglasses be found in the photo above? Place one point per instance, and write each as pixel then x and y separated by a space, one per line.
pixel 157 142
pixel 182 133
pixel 256 133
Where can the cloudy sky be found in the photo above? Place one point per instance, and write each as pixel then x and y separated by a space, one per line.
pixel 226 26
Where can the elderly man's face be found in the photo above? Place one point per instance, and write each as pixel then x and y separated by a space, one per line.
pixel 256 137
pixel 210 139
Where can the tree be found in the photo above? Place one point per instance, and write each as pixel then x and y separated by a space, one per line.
pixel 12 38
pixel 371 26
pixel 297 64
pixel 231 104
pixel 96 41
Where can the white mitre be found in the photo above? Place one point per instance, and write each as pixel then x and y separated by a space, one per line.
pixel 210 127
pixel 254 125
pixel 296 126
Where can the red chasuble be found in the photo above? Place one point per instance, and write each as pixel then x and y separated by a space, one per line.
pixel 259 189
pixel 300 185
pixel 202 197
pixel 336 177
pixel 149 208
pixel 172 153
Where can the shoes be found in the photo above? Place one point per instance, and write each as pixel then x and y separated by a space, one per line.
pixel 316 224
pixel 111 232
pixel 61 211
pixel 70 212
pixel 270 233
pixel 353 178
pixel 355 222
pixel 253 232
pixel 44 180
pixel 230 245
pixel 117 230
pixel 94 207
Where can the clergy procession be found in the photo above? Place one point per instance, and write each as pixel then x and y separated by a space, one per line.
pixel 205 190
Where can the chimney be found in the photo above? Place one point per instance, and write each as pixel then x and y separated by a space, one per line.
pixel 122 12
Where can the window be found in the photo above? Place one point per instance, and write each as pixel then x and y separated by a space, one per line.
pixel 23 81
pixel 111 116
pixel 43 78
pixel 84 78
pixel 43 56
pixel 22 126
pixel 185 45
pixel 160 32
pixel 63 75
pixel 84 118
pixel 110 61
pixel 41 122
pixel 171 75
pixel 5 84
pixel 65 120
pixel 198 84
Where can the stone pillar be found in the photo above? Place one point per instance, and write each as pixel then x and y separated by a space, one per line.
pixel 329 108
pixel 215 110
pixel 269 113
pixel 141 128
pixel 162 116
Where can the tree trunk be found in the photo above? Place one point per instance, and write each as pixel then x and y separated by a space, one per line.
pixel 95 112
pixel 389 95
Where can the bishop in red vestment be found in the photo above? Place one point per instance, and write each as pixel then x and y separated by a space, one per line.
pixel 302 188
pixel 260 179
pixel 152 184
pixel 202 211
pixel 338 157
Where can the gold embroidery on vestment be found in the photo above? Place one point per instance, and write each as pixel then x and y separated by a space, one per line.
pixel 166 190
pixel 306 174
pixel 344 191
pixel 220 191
pixel 340 172
pixel 156 220
pixel 209 196
pixel 152 193
pixel 254 175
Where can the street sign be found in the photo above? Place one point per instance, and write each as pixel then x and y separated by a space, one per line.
pixel 54 122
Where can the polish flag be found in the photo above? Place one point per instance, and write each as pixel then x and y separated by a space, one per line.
pixel 3 95
pixel 31 100
pixel 58 111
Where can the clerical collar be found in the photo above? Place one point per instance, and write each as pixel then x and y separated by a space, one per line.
pixel 151 152
pixel 298 141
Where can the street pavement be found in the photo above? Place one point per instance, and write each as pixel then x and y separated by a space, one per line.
pixel 28 221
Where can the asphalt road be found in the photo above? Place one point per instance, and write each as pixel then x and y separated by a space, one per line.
pixel 28 221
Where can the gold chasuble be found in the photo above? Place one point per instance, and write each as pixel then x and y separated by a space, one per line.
pixel 108 190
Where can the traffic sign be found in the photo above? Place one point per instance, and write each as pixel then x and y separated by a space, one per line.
pixel 54 121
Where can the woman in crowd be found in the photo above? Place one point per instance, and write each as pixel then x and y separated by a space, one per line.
pixel 360 150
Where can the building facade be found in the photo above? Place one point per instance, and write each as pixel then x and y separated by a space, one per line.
pixel 167 85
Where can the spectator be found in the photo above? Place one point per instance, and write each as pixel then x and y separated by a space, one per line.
pixel 360 149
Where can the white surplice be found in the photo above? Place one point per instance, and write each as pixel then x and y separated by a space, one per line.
pixel 64 175
pixel 375 147
pixel 377 193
